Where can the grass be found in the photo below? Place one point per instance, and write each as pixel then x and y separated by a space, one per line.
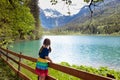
pixel 63 76
pixel 6 73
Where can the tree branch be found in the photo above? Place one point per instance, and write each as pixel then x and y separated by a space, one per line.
pixel 90 4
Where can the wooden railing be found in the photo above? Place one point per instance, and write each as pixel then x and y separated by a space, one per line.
pixel 7 53
pixel 77 73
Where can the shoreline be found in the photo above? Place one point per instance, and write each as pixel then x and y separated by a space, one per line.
pixel 79 34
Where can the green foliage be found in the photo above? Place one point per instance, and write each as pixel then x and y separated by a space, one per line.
pixel 86 1
pixel 6 73
pixel 24 23
pixel 69 2
pixel 16 21
pixel 65 64
pixel 61 76
pixel 53 2
pixel 34 9
pixel 99 71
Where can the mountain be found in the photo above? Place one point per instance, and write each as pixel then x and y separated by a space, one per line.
pixel 51 18
pixel 104 20
pixel 102 8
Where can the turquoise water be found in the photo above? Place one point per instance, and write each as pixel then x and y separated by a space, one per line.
pixel 81 50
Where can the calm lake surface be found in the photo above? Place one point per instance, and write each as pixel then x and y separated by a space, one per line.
pixel 81 50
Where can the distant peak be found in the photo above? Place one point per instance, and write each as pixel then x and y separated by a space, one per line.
pixel 52 13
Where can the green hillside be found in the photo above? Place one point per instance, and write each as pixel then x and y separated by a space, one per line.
pixel 105 21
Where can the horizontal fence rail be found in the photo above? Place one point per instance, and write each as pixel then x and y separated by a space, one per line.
pixel 6 52
pixel 74 72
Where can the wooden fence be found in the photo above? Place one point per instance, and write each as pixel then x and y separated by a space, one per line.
pixel 77 73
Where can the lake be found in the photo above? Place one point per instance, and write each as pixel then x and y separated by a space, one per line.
pixel 81 50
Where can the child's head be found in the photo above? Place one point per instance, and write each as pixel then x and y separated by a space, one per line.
pixel 46 42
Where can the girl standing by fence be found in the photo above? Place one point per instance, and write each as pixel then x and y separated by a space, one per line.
pixel 42 63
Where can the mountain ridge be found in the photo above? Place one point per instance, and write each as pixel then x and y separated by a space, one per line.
pixel 83 15
pixel 50 22
pixel 105 20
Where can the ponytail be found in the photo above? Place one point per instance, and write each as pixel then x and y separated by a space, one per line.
pixel 40 50
pixel 50 49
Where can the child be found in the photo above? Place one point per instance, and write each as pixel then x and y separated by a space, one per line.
pixel 42 63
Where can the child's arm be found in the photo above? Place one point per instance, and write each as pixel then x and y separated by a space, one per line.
pixel 46 57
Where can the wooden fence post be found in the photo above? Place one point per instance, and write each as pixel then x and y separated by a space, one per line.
pixel 7 55
pixel 38 77
pixel 0 55
pixel 19 65
pixel 19 62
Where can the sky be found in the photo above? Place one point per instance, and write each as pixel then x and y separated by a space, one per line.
pixel 61 7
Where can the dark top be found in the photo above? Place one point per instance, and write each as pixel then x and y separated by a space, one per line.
pixel 44 53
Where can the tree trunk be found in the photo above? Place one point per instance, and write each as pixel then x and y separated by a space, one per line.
pixel 34 8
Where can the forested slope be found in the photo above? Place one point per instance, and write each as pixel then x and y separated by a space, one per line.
pixel 103 21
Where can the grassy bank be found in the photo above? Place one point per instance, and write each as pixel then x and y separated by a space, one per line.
pixel 99 71
pixel 62 76
pixel 8 74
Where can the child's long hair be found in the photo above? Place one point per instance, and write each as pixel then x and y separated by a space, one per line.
pixel 46 42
